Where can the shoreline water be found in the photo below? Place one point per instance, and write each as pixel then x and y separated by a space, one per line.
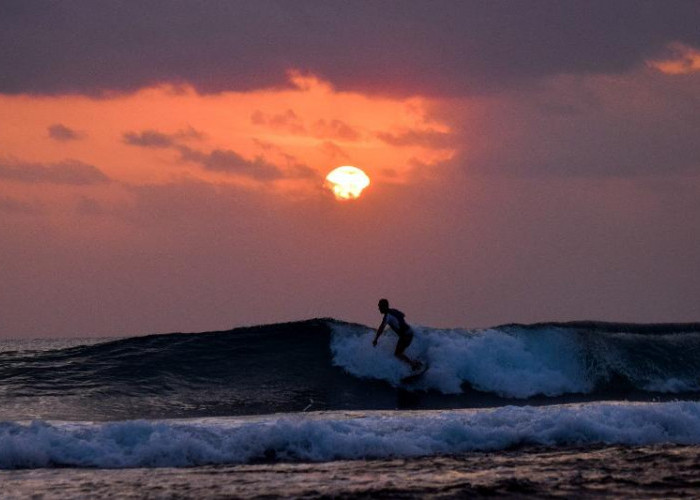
pixel 553 410
pixel 660 471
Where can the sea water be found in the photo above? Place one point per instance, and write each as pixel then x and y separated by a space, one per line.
pixel 311 409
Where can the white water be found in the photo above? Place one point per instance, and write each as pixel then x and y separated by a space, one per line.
pixel 339 435
pixel 521 363
pixel 546 362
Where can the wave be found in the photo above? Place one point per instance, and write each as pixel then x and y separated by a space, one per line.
pixel 522 361
pixel 337 436
pixel 261 369
pixel 325 364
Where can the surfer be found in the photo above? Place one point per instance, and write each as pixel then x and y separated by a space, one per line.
pixel 395 319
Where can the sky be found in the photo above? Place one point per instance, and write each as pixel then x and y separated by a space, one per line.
pixel 162 163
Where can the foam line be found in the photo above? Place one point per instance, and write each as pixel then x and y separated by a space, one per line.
pixel 337 435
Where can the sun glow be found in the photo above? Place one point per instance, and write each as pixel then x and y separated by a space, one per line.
pixel 285 140
pixel 347 182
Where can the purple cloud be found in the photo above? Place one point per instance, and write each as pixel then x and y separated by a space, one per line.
pixel 156 139
pixel 62 133
pixel 149 139
pixel 230 162
pixel 69 172
pixel 410 47
pixel 218 160
pixel 594 130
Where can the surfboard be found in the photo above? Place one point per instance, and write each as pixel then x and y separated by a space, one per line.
pixel 413 377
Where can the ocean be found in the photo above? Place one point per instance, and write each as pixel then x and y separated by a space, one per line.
pixel 310 409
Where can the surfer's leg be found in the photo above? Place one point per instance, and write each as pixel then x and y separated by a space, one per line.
pixel 413 363
pixel 401 346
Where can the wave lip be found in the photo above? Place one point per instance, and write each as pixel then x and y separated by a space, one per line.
pixel 336 436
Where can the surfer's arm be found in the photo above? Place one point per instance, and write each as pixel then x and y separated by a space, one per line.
pixel 379 331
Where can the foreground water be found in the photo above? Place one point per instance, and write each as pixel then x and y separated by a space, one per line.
pixel 615 472
pixel 311 409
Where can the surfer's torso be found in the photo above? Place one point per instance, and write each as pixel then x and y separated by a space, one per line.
pixel 395 319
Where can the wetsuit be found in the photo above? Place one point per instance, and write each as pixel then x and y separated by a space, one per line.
pixel 395 319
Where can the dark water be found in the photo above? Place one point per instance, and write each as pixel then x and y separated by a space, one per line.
pixel 310 365
pixel 310 409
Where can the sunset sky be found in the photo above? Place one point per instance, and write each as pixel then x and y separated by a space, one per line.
pixel 162 163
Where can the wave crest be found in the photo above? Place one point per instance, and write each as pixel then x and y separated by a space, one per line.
pixel 516 361
pixel 336 436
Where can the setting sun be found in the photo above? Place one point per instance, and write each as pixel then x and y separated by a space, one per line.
pixel 347 183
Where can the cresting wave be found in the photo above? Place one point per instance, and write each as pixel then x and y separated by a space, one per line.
pixel 342 435
pixel 522 361
pixel 324 364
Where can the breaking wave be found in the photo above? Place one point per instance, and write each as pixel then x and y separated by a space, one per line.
pixel 326 365
pixel 342 435
pixel 522 361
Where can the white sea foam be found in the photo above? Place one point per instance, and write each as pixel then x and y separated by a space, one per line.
pixel 546 362
pixel 338 435
pixel 520 363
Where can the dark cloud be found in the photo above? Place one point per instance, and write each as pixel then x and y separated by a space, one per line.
pixel 69 172
pixel 156 139
pixel 62 133
pixel 588 129
pixel 410 47
pixel 148 139
pixel 298 170
pixel 230 162
pixel 220 160
pixel 294 168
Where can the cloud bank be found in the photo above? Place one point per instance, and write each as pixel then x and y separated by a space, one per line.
pixel 441 48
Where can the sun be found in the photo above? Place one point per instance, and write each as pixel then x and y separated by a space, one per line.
pixel 347 182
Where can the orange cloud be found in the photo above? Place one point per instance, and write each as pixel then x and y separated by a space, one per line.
pixel 684 60
pixel 242 139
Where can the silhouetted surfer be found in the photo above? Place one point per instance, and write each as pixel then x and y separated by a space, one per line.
pixel 395 319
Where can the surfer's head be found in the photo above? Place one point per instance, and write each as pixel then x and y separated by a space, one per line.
pixel 383 305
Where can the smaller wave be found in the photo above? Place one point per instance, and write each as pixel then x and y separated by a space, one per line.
pixel 337 436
